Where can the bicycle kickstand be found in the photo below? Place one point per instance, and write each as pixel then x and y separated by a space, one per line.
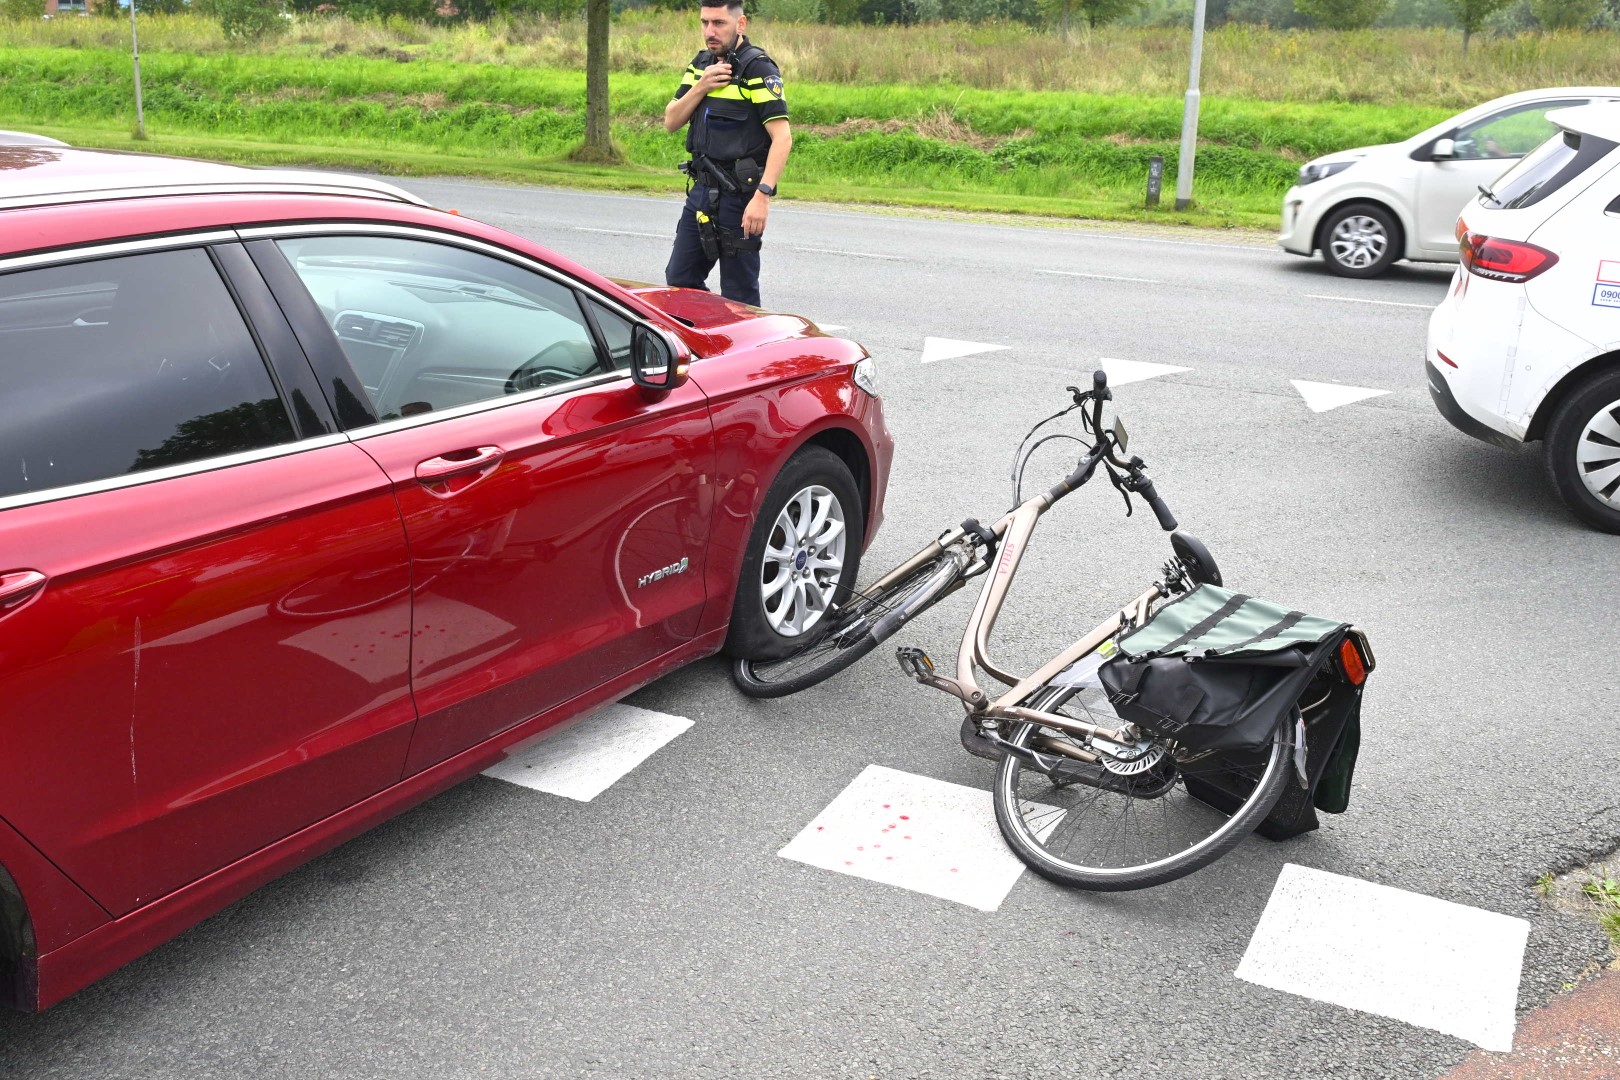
pixel 915 663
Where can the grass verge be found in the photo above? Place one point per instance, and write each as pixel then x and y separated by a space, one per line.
pixel 1064 155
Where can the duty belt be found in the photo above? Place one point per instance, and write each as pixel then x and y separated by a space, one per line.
pixel 717 240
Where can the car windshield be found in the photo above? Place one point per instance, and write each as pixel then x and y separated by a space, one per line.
pixel 1546 169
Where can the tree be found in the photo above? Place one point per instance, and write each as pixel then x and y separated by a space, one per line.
pixel 1471 15
pixel 1565 14
pixel 598 117
pixel 1343 14
pixel 1063 13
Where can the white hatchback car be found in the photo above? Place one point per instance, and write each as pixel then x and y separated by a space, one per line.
pixel 1366 208
pixel 1526 344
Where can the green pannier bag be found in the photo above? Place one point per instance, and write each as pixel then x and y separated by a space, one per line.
pixel 1222 672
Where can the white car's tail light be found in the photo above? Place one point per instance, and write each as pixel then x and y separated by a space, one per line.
pixel 1501 260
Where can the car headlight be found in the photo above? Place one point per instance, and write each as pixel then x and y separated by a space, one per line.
pixel 1321 170
pixel 866 376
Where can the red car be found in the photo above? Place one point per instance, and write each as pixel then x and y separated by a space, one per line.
pixel 315 500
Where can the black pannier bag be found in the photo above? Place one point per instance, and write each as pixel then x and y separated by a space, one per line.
pixel 1222 672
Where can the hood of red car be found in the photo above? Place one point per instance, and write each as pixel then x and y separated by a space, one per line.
pixel 721 325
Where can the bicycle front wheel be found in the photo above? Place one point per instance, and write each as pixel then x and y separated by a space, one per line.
pixel 848 636
pixel 1113 829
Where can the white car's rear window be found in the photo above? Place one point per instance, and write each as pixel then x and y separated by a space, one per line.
pixel 1546 169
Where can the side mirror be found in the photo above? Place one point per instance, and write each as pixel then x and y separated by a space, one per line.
pixel 1443 149
pixel 657 361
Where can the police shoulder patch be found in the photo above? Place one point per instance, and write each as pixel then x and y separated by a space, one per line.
pixel 773 83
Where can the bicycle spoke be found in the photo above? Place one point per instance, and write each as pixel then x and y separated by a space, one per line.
pixel 1103 826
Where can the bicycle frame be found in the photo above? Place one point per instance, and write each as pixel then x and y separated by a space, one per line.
pixel 1013 532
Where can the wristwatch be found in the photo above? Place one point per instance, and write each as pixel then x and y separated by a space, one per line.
pixel 766 189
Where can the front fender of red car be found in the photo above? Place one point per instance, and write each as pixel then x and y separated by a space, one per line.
pixel 767 402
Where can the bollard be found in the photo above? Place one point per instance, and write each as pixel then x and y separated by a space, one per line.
pixel 1155 179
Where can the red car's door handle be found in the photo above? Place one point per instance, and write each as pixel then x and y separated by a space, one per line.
pixel 458 463
pixel 17 586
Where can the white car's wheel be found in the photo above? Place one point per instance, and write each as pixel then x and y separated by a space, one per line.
pixel 1360 240
pixel 1583 451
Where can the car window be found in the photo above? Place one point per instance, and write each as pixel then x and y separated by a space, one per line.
pixel 617 334
pixel 430 326
pixel 1508 134
pixel 1549 167
pixel 118 365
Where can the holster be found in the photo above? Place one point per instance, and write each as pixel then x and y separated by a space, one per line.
pixel 717 240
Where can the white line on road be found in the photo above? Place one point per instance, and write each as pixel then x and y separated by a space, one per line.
pixel 586 759
pixel 850 254
pixel 622 232
pixel 1102 277
pixel 1360 300
pixel 1393 953
pixel 916 833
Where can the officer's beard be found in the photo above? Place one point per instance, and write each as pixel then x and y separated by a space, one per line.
pixel 722 50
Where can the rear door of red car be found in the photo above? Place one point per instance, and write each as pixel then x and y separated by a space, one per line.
pixel 557 515
pixel 204 586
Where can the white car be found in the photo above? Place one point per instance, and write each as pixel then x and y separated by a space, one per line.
pixel 1526 344
pixel 1365 208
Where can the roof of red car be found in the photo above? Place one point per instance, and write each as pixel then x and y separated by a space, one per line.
pixel 52 175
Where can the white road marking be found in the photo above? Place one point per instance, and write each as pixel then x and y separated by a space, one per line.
pixel 944 348
pixel 827 327
pixel 915 833
pixel 850 254
pixel 623 232
pixel 1393 953
pixel 1360 300
pixel 1102 277
pixel 584 760
pixel 1321 396
pixel 1121 372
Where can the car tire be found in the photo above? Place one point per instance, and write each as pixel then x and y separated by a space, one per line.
pixel 763 623
pixel 1583 451
pixel 1361 240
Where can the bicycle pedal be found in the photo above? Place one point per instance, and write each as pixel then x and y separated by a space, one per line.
pixel 914 662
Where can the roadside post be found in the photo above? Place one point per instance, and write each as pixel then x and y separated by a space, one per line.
pixel 1155 179
pixel 135 54
pixel 1189 115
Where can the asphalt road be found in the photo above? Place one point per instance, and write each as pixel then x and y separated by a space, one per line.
pixel 654 932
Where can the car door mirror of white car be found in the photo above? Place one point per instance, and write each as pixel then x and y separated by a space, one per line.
pixel 1443 149
pixel 657 361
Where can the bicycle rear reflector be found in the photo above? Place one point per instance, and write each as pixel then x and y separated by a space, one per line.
pixel 1350 661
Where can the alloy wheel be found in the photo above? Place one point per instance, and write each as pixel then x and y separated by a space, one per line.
pixel 804 561
pixel 1358 241
pixel 1597 455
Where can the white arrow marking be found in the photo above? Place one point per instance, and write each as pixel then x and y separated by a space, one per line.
pixel 1121 372
pixel 944 348
pixel 1321 396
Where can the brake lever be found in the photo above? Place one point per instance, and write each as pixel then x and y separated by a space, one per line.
pixel 1119 486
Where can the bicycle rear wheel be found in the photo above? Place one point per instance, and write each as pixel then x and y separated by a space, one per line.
pixel 1113 830
pixel 848 637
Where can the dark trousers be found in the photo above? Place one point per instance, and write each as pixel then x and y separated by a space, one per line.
pixel 689 268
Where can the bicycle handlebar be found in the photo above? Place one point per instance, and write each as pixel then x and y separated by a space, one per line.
pixel 1144 487
pixel 1135 480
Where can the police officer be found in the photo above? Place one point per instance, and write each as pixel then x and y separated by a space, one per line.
pixel 738 136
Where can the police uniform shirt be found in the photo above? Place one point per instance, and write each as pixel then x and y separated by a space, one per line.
pixel 730 124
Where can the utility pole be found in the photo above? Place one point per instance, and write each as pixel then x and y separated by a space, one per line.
pixel 135 54
pixel 1189 115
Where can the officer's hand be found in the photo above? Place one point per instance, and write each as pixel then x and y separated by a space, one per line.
pixel 714 77
pixel 753 222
